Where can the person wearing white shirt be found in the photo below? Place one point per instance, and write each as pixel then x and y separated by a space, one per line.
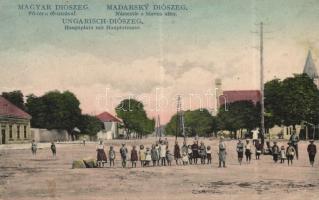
pixel 255 136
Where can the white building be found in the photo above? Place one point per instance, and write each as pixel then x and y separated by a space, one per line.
pixel 111 126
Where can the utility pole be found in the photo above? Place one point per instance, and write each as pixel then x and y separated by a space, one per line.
pixel 179 105
pixel 158 129
pixel 262 104
pixel 182 123
pixel 180 119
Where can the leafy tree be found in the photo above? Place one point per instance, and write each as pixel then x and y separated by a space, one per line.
pixel 170 128
pixel 292 100
pixel 15 97
pixel 90 125
pixel 55 110
pixel 240 115
pixel 37 109
pixel 196 122
pixel 273 94
pixel 134 117
pixel 301 99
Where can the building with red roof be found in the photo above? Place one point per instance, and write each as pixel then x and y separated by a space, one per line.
pixel 231 96
pixel 111 126
pixel 14 123
pixel 107 117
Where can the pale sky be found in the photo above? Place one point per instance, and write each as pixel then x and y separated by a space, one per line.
pixel 168 56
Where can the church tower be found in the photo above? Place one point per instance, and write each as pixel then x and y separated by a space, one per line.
pixel 311 70
pixel 218 92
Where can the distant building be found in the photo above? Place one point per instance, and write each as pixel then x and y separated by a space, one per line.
pixel 14 123
pixel 311 70
pixel 111 129
pixel 231 96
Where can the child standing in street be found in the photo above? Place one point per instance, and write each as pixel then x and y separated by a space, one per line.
pixel 123 152
pixel 282 154
pixel 154 155
pixel 148 157
pixel 169 158
pixel 53 149
pixel 290 153
pixel 209 155
pixel 142 155
pixel 259 148
pixel 248 151
pixel 177 152
pixel 34 148
pixel 190 154
pixel 111 156
pixel 275 152
pixel 240 151
pixel 312 150
pixel 202 153
pixel 134 157
pixel 162 150
pixel 185 158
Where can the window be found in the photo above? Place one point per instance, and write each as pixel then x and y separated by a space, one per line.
pixel 10 131
pixel 18 132
pixel 25 131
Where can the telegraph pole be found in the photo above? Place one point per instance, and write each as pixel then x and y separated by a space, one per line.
pixel 262 104
pixel 180 119
pixel 178 116
pixel 183 125
pixel 158 125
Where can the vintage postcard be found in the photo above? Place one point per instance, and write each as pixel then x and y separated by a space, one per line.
pixel 154 99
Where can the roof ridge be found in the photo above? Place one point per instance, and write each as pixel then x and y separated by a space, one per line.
pixel 6 112
pixel 106 116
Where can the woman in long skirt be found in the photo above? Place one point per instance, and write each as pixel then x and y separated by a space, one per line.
pixel 290 153
pixel 101 156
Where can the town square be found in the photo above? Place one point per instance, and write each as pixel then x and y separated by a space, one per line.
pixel 145 99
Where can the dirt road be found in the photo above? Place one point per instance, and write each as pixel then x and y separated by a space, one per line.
pixel 22 177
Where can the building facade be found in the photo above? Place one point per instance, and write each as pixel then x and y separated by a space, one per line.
pixel 14 123
pixel 111 130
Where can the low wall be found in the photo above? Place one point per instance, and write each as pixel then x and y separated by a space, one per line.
pixel 44 135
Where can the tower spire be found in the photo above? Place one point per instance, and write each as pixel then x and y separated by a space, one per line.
pixel 310 68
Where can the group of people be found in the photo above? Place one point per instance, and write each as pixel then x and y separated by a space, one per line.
pixel 282 153
pixel 278 153
pixel 160 155
pixel 157 154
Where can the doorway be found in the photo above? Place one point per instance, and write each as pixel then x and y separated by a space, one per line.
pixel 3 134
